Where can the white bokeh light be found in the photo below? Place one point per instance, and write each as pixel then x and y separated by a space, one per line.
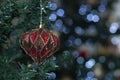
pixel 90 63
pixel 114 27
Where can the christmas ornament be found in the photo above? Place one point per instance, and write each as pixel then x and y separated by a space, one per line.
pixel 39 44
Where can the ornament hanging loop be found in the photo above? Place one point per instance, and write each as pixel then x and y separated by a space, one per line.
pixel 41 11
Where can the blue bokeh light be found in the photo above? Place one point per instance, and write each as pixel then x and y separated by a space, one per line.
pixel 68 43
pixel 53 75
pixel 102 8
pixel 60 12
pixel 77 42
pixel 89 17
pixel 82 9
pixel 52 17
pixel 90 74
pixel 75 54
pixel 52 6
pixel 95 18
pixel 72 38
pixel 58 24
pixel 65 30
pixel 79 30
pixel 92 17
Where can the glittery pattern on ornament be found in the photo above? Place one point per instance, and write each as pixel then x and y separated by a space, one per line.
pixel 39 44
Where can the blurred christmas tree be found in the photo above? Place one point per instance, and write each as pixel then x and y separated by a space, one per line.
pixel 89 37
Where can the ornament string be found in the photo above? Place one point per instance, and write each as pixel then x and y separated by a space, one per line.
pixel 41 9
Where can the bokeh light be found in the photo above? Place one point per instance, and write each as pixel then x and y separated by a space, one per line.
pixel 113 28
pixel 90 63
pixel 52 17
pixel 80 60
pixel 60 12
pixel 52 6
pixel 78 30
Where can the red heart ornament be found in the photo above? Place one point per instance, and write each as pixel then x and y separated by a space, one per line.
pixel 39 44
